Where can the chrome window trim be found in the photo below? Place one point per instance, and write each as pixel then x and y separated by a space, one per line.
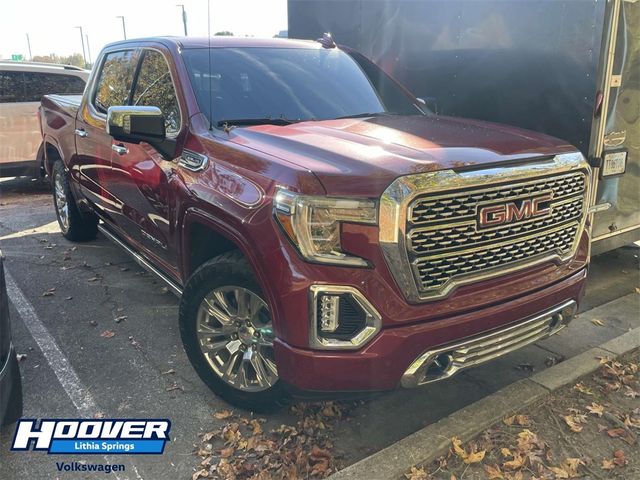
pixel 373 319
pixel 394 211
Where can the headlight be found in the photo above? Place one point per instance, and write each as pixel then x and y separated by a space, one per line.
pixel 313 224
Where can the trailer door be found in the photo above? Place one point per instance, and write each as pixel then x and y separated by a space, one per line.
pixel 616 130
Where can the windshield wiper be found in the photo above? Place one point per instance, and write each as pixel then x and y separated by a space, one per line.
pixel 239 122
pixel 362 115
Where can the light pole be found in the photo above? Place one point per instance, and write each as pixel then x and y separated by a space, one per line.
pixel 29 45
pixel 184 18
pixel 84 55
pixel 124 29
pixel 88 50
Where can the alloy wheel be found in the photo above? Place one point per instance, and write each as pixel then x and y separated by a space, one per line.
pixel 62 206
pixel 235 335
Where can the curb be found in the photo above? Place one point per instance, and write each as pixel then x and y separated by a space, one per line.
pixel 435 439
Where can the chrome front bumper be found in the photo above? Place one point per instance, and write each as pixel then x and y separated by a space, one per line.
pixel 447 360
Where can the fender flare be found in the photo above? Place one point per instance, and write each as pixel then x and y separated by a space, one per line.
pixel 226 229
pixel 48 139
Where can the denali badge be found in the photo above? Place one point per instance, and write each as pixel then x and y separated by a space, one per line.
pixel 515 211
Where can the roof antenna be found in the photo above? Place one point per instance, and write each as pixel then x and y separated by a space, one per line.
pixel 209 53
pixel 327 40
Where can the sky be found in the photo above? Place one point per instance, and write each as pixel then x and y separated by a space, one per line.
pixel 51 23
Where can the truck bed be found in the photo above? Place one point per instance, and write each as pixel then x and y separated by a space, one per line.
pixel 62 104
pixel 58 118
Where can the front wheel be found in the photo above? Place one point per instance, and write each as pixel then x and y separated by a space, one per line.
pixel 227 332
pixel 74 225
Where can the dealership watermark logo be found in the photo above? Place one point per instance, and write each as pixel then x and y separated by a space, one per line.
pixel 121 436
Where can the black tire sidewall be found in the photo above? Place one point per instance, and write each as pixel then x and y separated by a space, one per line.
pixel 81 227
pixel 227 270
pixel 59 170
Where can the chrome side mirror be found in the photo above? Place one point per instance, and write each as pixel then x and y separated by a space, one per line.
pixel 135 124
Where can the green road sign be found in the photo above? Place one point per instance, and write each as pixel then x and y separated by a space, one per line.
pixel 16 57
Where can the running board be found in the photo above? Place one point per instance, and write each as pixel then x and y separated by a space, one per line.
pixel 143 262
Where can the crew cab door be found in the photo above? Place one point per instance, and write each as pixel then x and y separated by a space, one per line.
pixel 140 178
pixel 92 168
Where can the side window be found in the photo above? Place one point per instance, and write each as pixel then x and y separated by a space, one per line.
pixel 115 79
pixel 39 84
pixel 155 89
pixel 11 87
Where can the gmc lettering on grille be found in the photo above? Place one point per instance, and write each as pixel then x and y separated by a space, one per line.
pixel 510 212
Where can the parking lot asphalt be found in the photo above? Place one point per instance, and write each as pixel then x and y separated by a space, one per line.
pixel 116 326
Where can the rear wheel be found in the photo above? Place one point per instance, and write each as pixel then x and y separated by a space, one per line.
pixel 227 332
pixel 74 225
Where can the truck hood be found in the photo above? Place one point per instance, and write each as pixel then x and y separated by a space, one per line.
pixel 361 157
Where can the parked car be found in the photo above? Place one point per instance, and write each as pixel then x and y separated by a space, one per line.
pixel 10 380
pixel 22 85
pixel 324 231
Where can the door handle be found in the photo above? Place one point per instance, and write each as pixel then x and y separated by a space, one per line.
pixel 120 149
pixel 81 132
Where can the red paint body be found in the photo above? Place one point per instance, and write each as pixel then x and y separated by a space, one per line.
pixel 233 197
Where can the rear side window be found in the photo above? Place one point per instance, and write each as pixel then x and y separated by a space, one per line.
pixel 116 77
pixel 11 87
pixel 39 84
pixel 31 86
pixel 154 88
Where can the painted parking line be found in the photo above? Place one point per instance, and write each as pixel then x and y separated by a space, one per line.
pixel 67 376
pixel 77 392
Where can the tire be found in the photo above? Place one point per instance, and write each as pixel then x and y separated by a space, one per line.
pixel 74 225
pixel 237 381
pixel 14 406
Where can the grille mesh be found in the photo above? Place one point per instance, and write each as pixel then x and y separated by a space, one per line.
pixel 431 209
pixel 445 243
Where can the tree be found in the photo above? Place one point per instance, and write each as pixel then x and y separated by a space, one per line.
pixel 76 59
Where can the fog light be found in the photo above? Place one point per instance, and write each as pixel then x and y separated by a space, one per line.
pixel 329 313
pixel 341 318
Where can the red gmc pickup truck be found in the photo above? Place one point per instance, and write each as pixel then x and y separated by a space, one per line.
pixel 325 231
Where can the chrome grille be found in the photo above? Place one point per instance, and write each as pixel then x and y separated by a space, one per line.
pixel 432 239
pixel 436 272
pixel 463 204
pixel 445 243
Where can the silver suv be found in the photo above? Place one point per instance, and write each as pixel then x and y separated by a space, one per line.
pixel 22 85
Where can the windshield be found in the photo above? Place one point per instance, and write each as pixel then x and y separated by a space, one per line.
pixel 288 84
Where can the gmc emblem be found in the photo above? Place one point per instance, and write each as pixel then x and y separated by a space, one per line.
pixel 510 212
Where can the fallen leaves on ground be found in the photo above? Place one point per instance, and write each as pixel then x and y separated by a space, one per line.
pixel 595 409
pixel 222 414
pixel 468 457
pixel 578 422
pixel 107 334
pixel 242 449
pixel 493 472
pixel 521 420
pixel 582 389
pixel 49 292
pixel 597 322
pixel 416 474
pixel 575 421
